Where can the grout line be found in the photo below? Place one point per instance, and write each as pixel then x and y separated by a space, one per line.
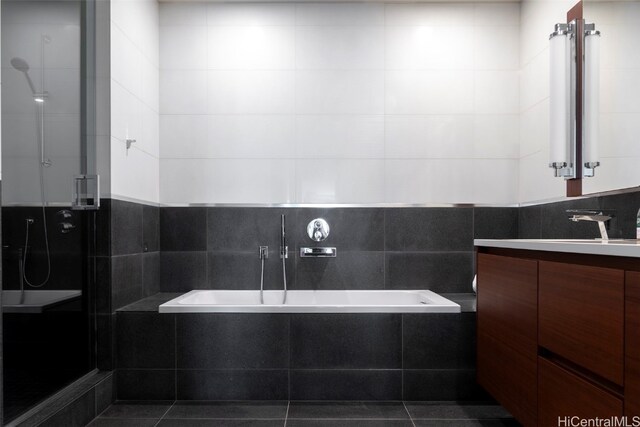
pixel 402 357
pixel 175 357
pixel 384 246
pixel 289 365
pixel 408 413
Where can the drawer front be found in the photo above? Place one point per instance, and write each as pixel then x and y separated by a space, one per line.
pixel 581 316
pixel 562 394
pixel 632 345
pixel 507 301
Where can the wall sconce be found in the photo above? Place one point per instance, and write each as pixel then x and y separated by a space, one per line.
pixel 591 109
pixel 561 105
pixel 565 130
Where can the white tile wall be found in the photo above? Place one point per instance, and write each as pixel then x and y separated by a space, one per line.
pixel 250 92
pixel 537 19
pixel 620 91
pixel 135 96
pixel 429 92
pixel 231 180
pixel 339 102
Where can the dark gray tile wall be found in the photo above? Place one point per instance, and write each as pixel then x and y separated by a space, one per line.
pixel 378 248
pixel 252 356
pixel 412 357
pixel 127 265
pixel 550 221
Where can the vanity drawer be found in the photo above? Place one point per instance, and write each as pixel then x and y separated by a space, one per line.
pixel 561 393
pixel 581 316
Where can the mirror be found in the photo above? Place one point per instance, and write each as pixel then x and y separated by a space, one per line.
pixel 620 94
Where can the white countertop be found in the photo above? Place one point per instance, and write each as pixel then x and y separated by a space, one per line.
pixel 626 248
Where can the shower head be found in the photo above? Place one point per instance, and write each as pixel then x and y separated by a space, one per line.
pixel 23 66
pixel 20 64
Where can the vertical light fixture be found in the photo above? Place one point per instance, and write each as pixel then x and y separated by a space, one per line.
pixel 591 117
pixel 560 102
pixel 564 129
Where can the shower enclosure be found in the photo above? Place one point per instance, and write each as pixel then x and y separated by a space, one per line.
pixel 47 228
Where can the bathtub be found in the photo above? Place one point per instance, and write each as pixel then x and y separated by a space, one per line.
pixel 419 301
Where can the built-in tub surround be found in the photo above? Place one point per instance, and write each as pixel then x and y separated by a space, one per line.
pixel 378 248
pixel 297 356
pixel 217 248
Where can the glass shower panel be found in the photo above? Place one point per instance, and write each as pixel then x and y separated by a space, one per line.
pixel 47 327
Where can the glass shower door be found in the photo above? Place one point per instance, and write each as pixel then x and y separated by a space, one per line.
pixel 46 242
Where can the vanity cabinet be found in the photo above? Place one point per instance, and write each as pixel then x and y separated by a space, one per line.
pixel 507 333
pixel 559 334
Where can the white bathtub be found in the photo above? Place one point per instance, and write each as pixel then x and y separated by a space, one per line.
pixel 310 302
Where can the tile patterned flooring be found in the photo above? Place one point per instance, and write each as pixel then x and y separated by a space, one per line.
pixel 302 414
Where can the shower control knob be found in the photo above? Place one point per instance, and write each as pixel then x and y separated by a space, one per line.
pixel 318 230
pixel 66 227
pixel 65 221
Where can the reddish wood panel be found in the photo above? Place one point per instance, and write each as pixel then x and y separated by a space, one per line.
pixel 621 263
pixel 510 377
pixel 507 333
pixel 581 316
pixel 632 345
pixel 561 393
pixel 576 12
pixel 507 301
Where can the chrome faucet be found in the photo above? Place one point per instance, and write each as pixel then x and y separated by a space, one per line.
pixel 598 216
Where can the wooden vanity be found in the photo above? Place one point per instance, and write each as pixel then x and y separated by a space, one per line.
pixel 559 328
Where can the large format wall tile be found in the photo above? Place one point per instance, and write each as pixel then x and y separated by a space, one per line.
pixel 338 384
pixel 310 88
pixel 145 340
pixel 346 341
pixel 349 270
pixel 183 271
pixel 437 271
pixel 255 384
pixel 439 341
pixel 181 229
pixel 126 227
pixel 233 341
pixel 431 229
pixel 146 384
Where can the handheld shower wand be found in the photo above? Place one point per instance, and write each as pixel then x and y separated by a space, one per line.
pixel 22 66
pixel 284 254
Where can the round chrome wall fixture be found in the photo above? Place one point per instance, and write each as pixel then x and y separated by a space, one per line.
pixel 318 230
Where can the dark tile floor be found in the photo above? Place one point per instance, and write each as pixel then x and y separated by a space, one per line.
pixel 302 414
